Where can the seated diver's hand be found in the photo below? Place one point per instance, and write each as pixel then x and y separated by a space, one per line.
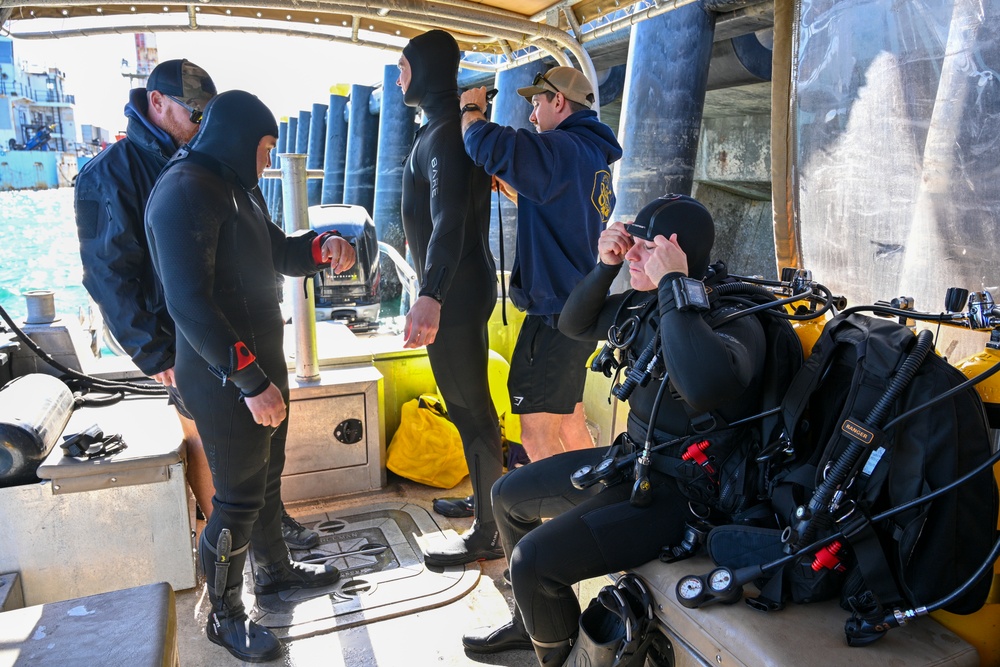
pixel 339 253
pixel 613 243
pixel 666 257
pixel 268 408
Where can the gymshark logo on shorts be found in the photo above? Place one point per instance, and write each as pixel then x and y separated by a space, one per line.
pixel 518 399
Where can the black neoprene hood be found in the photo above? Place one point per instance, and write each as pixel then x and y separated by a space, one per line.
pixel 235 121
pixel 433 58
pixel 682 215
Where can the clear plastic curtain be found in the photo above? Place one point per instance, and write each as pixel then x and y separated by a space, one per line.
pixel 896 117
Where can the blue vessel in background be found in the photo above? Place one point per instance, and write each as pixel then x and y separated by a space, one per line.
pixel 38 130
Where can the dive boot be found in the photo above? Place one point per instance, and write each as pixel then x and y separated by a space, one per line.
pixel 482 542
pixel 455 508
pixel 291 575
pixel 553 654
pixel 296 535
pixel 508 637
pixel 229 627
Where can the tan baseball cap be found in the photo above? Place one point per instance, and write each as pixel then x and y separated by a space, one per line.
pixel 566 80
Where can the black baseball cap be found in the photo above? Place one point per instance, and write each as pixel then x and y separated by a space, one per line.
pixel 184 80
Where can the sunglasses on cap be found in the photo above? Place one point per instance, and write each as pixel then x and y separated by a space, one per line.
pixel 196 115
pixel 540 79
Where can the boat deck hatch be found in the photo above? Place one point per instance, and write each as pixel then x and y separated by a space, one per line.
pixel 377 549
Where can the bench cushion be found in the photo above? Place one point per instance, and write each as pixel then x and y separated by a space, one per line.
pixel 737 635
pixel 134 626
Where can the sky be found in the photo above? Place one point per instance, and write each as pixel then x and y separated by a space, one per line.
pixel 288 74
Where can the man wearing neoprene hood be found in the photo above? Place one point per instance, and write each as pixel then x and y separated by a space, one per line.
pixel 562 178
pixel 216 252
pixel 715 367
pixel 445 207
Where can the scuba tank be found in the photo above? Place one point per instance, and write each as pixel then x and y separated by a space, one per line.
pixel 989 389
pixel 34 410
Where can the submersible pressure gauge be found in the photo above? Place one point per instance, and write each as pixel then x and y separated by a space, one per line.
pixel 724 586
pixel 719 585
pixel 691 591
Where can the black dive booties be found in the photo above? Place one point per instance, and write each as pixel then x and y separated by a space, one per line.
pixel 290 575
pixel 554 654
pixel 455 508
pixel 229 627
pixel 509 637
pixel 482 542
pixel 296 535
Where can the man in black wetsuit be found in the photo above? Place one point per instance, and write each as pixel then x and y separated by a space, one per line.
pixel 597 530
pixel 446 202
pixel 110 197
pixel 216 252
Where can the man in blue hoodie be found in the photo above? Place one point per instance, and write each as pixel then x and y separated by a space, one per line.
pixel 561 175
pixel 110 197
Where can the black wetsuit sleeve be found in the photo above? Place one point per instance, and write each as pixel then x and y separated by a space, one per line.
pixel 708 367
pixel 449 172
pixel 184 219
pixel 115 268
pixel 589 312
pixel 292 254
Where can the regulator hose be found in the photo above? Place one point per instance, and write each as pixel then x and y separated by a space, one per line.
pixel 81 381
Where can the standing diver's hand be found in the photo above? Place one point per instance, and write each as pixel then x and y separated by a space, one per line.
pixel 339 253
pixel 422 322
pixel 268 408
pixel 613 243
pixel 666 257
pixel 166 378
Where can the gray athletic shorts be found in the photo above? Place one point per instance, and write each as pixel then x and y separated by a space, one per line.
pixel 547 369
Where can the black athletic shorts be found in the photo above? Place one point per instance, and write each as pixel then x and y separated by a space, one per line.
pixel 547 369
pixel 174 399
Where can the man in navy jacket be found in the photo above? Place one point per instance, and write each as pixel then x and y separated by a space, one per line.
pixel 561 175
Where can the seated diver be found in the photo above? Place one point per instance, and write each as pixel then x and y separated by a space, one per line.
pixel 597 530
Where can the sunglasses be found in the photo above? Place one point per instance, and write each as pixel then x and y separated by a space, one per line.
pixel 540 79
pixel 196 115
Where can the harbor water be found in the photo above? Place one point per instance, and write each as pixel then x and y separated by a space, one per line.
pixel 39 250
